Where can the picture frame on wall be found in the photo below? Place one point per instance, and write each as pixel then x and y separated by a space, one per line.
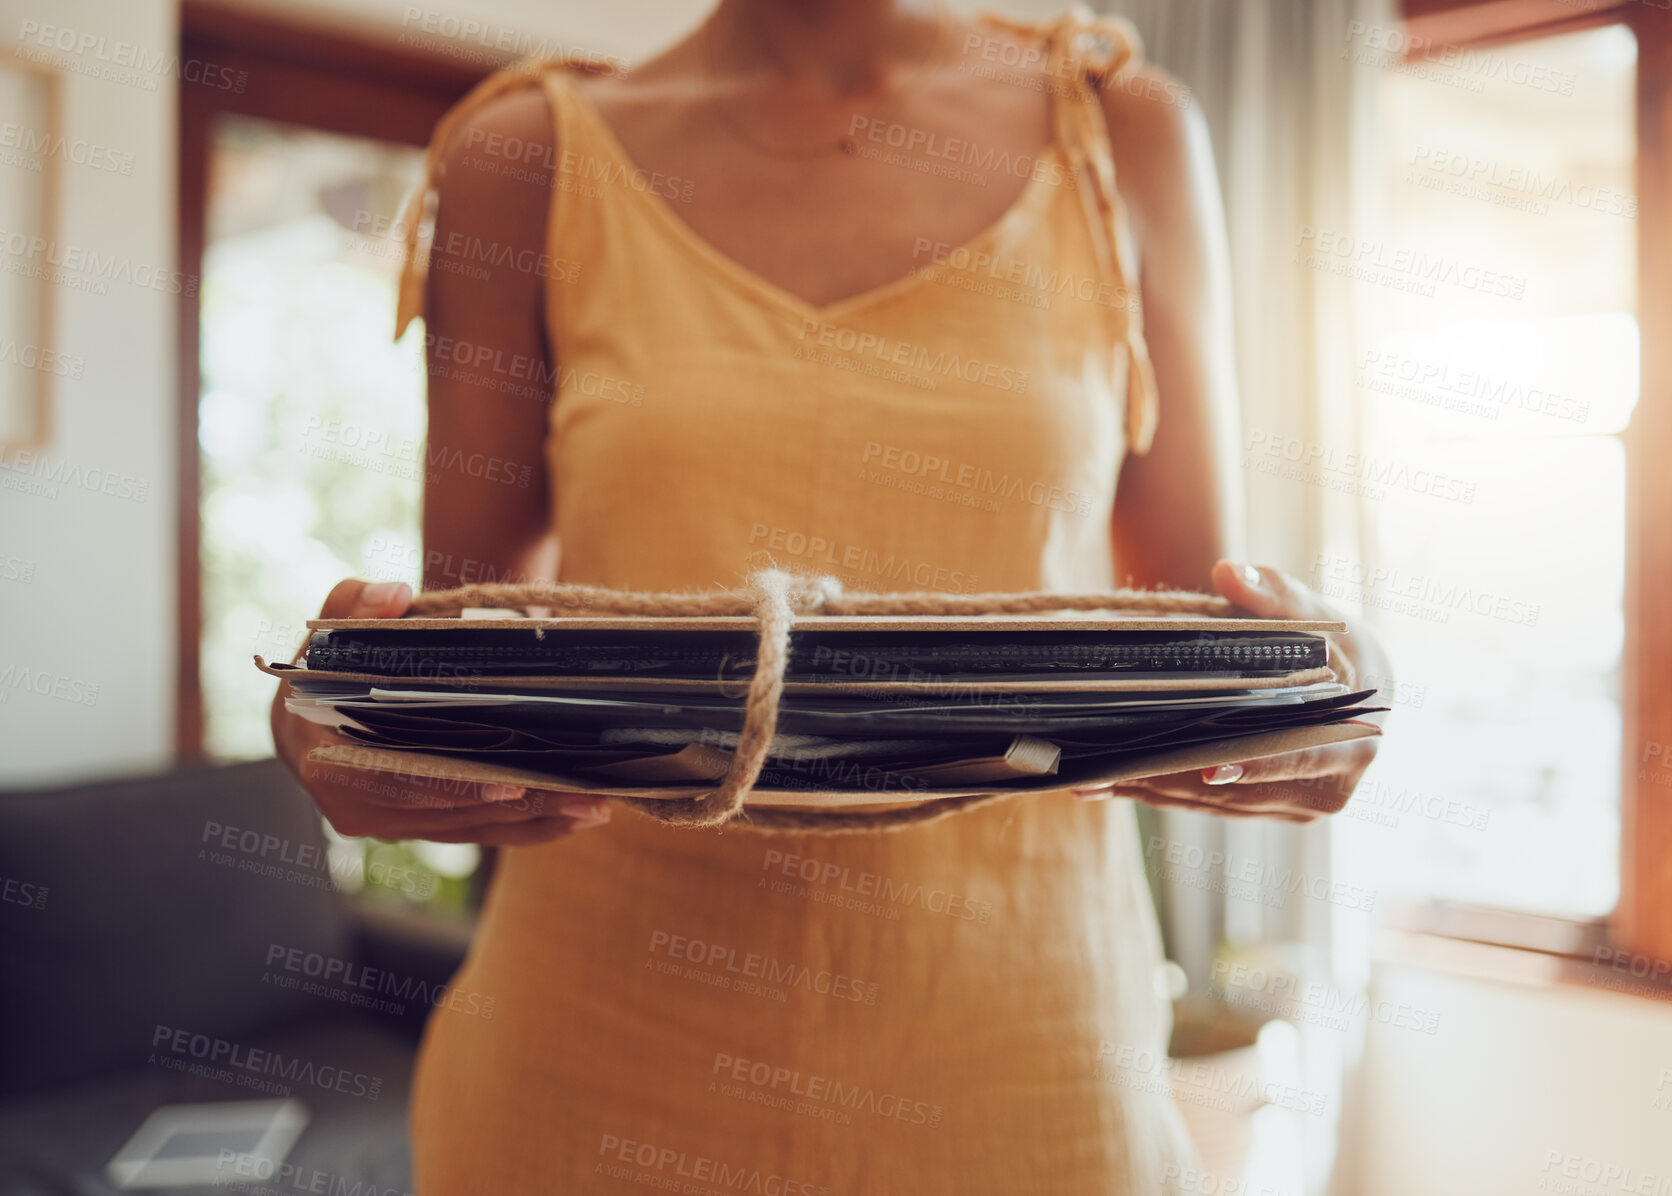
pixel 31 97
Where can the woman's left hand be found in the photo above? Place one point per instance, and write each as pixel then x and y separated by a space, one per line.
pixel 1298 786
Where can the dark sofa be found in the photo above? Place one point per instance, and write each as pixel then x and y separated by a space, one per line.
pixel 151 925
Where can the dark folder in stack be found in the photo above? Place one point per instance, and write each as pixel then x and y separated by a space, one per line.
pixel 876 712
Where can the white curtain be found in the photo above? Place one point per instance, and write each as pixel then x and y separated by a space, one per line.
pixel 1288 92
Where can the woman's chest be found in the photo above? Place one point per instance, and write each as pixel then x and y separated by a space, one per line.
pixel 766 185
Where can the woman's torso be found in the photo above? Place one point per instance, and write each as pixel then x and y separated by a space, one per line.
pixel 939 1009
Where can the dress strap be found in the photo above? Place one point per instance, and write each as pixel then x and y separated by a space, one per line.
pixel 1084 51
pixel 415 263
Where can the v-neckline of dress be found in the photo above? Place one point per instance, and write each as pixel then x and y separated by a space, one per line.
pixel 1023 207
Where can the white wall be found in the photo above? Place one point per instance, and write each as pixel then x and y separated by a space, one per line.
pixel 97 607
pixel 87 578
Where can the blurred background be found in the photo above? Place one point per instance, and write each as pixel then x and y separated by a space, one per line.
pixel 1449 228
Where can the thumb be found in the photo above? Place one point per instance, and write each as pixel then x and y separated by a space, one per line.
pixel 1266 593
pixel 354 599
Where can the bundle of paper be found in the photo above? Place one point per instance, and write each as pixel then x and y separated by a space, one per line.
pixel 875 712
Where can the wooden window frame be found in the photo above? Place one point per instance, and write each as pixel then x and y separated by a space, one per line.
pixel 1638 935
pixel 1644 922
pixel 1478 23
pixel 320 77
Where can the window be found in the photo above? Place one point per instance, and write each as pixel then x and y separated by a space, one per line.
pixel 311 421
pixel 1502 374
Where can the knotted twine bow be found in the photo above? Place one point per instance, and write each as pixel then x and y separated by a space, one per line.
pixel 774 598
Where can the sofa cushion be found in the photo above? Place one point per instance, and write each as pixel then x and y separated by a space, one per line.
pixel 132 908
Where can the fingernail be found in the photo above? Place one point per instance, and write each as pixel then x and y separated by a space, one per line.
pixel 502 792
pixel 382 594
pixel 1091 794
pixel 585 814
pixel 1223 775
pixel 1251 577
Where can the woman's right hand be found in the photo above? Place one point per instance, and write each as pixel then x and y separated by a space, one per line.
pixel 387 806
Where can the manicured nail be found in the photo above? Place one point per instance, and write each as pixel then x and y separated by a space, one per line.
pixel 382 594
pixel 502 792
pixel 1251 576
pixel 1223 775
pixel 585 814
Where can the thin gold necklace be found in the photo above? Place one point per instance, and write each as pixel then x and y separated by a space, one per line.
pixel 845 143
